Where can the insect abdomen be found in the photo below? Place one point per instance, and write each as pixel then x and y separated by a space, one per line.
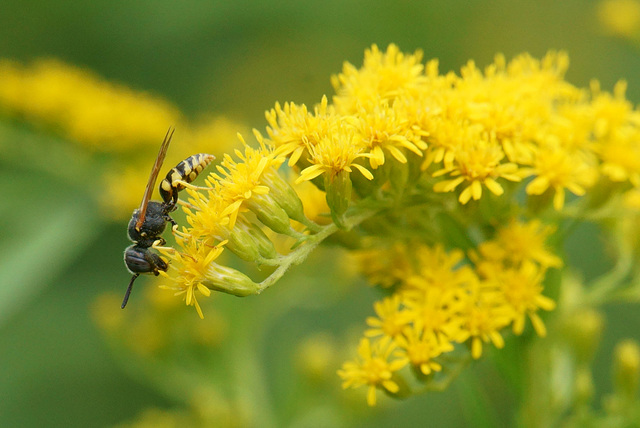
pixel 186 171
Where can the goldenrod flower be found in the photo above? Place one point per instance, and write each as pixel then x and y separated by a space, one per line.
pixel 477 162
pixel 422 347
pixel 519 242
pixel 558 169
pixel 385 266
pixel 333 155
pixel 620 154
pixel 375 368
pixel 438 268
pixel 437 311
pixel 99 114
pixel 384 129
pixel 383 77
pixel 192 265
pixel 484 316
pixel 292 129
pixel 391 318
pixel 522 289
pixel 459 274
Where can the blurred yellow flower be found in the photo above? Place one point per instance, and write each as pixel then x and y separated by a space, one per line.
pixel 101 115
pixel 374 367
pixel 620 17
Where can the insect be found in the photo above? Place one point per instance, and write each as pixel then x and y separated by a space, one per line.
pixel 150 220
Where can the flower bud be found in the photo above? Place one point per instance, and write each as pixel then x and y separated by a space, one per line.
pixel 338 190
pixel 228 280
pixel 281 191
pixel 242 244
pixel 260 240
pixel 269 212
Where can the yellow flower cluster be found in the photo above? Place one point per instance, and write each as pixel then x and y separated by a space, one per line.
pixel 99 114
pixel 479 129
pixel 403 156
pixel 106 117
pixel 510 122
pixel 224 214
pixel 440 301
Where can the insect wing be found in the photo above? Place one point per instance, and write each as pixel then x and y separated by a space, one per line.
pixel 142 212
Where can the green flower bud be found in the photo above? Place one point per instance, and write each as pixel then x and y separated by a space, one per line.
pixel 338 190
pixel 228 280
pixel 260 240
pixel 270 213
pixel 242 244
pixel 281 191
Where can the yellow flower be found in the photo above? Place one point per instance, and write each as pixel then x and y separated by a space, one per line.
pixel 519 242
pixel 477 162
pixel 522 289
pixel 385 266
pixel 292 129
pixel 189 269
pixel 483 315
pixel 242 180
pixel 373 368
pixel 435 310
pixel 439 269
pixel 385 129
pixel 620 154
pixel 210 215
pixel 422 346
pixel 559 169
pixel 333 155
pixel 391 318
pixel 230 191
pixel 620 17
pixel 383 77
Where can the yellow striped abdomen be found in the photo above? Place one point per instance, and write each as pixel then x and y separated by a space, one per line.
pixel 186 171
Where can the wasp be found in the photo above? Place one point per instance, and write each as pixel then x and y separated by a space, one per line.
pixel 150 220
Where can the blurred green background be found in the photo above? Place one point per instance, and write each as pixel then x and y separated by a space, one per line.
pixel 235 58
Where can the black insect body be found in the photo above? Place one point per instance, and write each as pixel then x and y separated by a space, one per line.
pixel 150 220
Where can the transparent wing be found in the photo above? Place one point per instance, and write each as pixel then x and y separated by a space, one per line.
pixel 153 177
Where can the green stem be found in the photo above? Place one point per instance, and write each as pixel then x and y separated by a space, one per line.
pixel 602 288
pixel 311 242
pixel 312 226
